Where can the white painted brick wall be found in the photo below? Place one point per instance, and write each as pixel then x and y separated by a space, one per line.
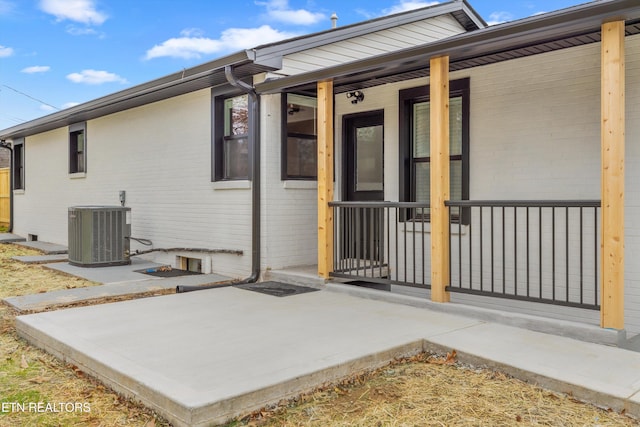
pixel 160 155
pixel 289 215
pixel 632 185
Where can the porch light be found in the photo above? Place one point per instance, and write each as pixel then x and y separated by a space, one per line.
pixel 357 95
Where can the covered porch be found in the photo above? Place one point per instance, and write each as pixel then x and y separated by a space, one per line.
pixel 559 251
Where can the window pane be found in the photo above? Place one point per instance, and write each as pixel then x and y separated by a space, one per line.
pixel 76 151
pixel 236 116
pixel 79 142
pixel 455 126
pixel 422 185
pixel 301 115
pixel 18 166
pixel 302 128
pixel 455 179
pixel 421 131
pixel 80 166
pixel 422 182
pixel 301 157
pixel 236 158
pixel 369 153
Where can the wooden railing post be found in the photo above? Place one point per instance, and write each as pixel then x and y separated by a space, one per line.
pixel 325 178
pixel 613 141
pixel 439 119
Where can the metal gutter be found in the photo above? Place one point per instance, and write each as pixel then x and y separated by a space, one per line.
pixel 188 80
pixel 473 16
pixel 549 27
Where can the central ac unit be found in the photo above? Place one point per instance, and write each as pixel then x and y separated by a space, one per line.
pixel 99 235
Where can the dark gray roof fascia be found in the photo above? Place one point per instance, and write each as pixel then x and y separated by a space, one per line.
pixel 474 16
pixel 498 38
pixel 171 85
pixel 280 49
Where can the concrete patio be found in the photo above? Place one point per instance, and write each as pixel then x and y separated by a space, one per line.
pixel 204 357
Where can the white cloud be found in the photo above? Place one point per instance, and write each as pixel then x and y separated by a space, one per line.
pixel 70 104
pixel 231 39
pixel 36 69
pixel 83 11
pixel 406 5
pixel 81 31
pixel 499 17
pixel 192 32
pixel 5 51
pixel 95 77
pixel 279 10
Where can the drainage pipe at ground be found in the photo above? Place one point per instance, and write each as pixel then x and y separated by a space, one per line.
pixel 254 144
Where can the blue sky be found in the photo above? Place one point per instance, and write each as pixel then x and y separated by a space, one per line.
pixel 58 53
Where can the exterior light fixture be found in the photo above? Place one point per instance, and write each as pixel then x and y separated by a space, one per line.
pixel 357 95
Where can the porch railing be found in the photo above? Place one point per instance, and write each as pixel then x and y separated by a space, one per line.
pixel 374 243
pixel 541 251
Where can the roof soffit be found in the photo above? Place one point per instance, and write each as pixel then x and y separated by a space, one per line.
pixel 577 25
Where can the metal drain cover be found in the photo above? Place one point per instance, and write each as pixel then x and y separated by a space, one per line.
pixel 277 289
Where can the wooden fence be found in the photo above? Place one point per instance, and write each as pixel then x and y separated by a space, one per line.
pixel 5 191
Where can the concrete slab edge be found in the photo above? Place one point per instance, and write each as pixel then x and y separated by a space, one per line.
pixel 239 406
pixel 579 331
pixel 583 394
pixel 37 307
pixel 41 259
pixel 223 411
pixel 216 412
pixel 115 380
pixel 13 240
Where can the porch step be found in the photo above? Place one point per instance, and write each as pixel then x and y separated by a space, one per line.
pixel 306 275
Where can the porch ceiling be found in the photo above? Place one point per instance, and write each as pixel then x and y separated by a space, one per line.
pixel 566 28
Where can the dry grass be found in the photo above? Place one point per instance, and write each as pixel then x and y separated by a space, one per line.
pixel 429 391
pixel 421 391
pixel 29 375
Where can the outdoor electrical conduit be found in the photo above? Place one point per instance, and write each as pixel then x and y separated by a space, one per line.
pixel 254 153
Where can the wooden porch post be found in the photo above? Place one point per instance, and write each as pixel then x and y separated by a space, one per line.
pixel 439 118
pixel 612 192
pixel 325 178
